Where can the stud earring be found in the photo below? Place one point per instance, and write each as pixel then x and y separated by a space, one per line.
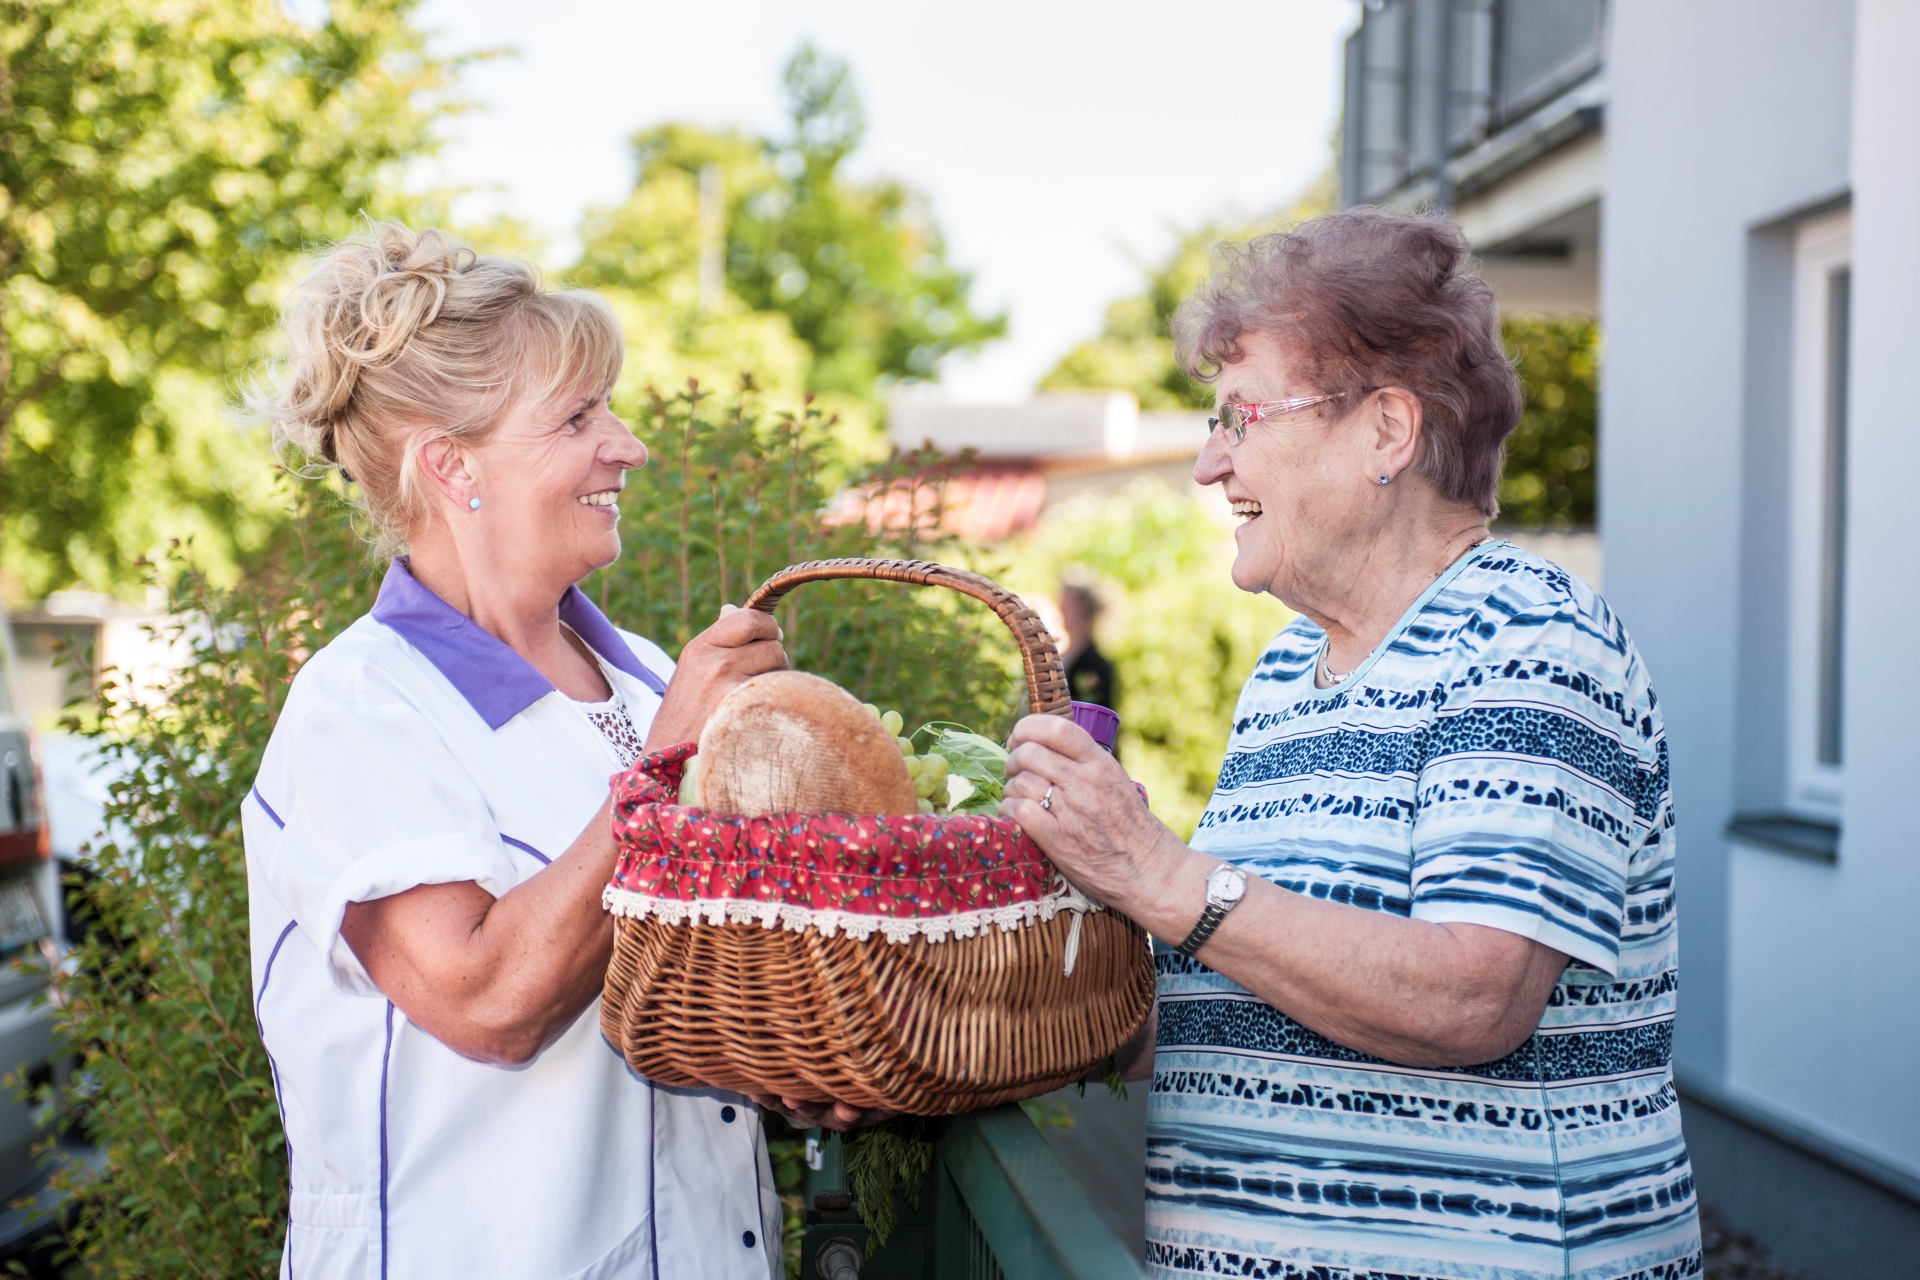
pixel 473 504
pixel 1383 480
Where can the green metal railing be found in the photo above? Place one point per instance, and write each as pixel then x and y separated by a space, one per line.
pixel 997 1205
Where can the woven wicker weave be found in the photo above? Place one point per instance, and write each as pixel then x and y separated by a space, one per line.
pixel 930 1028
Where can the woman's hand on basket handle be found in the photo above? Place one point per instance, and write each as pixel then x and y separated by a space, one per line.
pixel 838 1116
pixel 741 644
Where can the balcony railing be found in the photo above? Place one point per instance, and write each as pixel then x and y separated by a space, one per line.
pixel 997 1205
pixel 1430 82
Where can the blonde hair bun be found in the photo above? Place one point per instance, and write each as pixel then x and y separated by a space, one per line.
pixel 397 336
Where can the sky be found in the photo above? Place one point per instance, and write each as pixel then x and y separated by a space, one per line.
pixel 1060 143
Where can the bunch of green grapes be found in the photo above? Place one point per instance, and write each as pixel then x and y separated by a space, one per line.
pixel 930 772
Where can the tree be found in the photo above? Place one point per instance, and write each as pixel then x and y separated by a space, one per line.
pixel 859 269
pixel 162 165
pixel 1134 351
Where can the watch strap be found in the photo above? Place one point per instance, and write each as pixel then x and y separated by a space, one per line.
pixel 1209 921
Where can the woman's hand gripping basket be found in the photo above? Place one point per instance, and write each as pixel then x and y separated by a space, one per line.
pixel 919 963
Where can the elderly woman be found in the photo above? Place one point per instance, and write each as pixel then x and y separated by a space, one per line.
pixel 428 837
pixel 1417 966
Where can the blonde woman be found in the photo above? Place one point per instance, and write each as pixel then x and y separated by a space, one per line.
pixel 428 837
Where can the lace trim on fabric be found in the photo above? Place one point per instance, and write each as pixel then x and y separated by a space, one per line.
pixel 828 923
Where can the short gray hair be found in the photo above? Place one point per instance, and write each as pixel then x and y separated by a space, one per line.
pixel 1366 299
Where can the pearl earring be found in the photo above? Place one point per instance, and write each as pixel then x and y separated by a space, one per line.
pixel 1383 480
pixel 473 504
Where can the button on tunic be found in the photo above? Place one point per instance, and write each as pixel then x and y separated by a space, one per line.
pixel 418 749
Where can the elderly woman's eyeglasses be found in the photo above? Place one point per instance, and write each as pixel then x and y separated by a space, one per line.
pixel 1236 418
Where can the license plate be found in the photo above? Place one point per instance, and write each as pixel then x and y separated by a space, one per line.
pixel 21 920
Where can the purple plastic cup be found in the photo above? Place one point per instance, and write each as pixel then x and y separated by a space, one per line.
pixel 1101 723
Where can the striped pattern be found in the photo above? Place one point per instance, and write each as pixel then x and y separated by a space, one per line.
pixel 1499 761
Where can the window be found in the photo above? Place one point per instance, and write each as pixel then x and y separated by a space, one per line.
pixel 1545 46
pixel 1817 518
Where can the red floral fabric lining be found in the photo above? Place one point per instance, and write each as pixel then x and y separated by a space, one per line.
pixel 913 867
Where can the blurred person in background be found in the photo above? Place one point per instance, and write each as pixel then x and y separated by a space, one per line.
pixel 428 837
pixel 1417 967
pixel 1089 674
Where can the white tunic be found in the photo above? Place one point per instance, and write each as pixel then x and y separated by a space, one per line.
pixel 418 749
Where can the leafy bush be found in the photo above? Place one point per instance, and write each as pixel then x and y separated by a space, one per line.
pixel 1551 460
pixel 173 1082
pixel 733 494
pixel 1182 636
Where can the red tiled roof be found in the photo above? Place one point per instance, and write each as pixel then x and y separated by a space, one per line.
pixel 986 505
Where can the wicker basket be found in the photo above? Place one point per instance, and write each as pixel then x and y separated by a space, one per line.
pixel 935 1017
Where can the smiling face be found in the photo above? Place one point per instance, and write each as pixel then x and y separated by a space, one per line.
pixel 1298 483
pixel 549 479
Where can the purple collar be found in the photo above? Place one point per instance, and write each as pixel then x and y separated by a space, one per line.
pixel 496 681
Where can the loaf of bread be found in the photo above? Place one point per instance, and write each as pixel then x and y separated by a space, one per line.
pixel 789 742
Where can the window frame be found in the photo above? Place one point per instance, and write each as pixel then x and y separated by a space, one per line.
pixel 1817 518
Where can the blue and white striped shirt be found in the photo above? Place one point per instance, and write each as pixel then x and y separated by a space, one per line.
pixel 1499 760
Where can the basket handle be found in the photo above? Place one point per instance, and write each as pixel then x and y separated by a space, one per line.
pixel 1047 692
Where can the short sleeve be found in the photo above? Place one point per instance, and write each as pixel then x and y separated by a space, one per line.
pixel 379 805
pixel 1533 788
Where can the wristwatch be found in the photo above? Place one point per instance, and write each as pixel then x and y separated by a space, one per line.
pixel 1225 887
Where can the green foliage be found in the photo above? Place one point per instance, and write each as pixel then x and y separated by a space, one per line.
pixel 1551 462
pixel 787 1153
pixel 859 269
pixel 174 1084
pixel 734 493
pixel 162 165
pixel 1134 351
pixel 884 1161
pixel 1182 636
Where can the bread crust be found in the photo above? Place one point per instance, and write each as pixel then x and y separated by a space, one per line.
pixel 789 742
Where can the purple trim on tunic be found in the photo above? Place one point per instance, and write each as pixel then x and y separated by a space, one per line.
pixel 267 975
pixel 273 1068
pixel 524 847
pixel 386 1056
pixel 278 821
pixel 496 682
pixel 603 638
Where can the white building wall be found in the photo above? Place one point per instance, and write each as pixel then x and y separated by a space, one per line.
pixel 1728 119
pixel 1866 1049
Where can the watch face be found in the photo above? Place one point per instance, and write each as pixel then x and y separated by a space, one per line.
pixel 1226 885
